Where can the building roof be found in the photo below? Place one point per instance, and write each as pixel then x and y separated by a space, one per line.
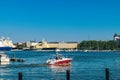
pixel 116 35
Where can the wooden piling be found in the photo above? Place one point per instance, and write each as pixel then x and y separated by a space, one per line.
pixel 67 74
pixel 20 76
pixel 107 73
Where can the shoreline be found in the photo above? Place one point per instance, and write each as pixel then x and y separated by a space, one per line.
pixel 65 50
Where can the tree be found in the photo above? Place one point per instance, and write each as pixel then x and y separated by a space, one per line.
pixel 97 45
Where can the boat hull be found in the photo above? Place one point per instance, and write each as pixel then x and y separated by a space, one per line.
pixel 4 62
pixel 64 62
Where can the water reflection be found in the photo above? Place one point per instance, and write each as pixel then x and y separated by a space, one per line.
pixel 4 72
pixel 59 68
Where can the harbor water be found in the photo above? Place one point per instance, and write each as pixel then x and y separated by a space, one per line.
pixel 85 66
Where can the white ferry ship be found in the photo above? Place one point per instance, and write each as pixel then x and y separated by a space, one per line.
pixel 6 44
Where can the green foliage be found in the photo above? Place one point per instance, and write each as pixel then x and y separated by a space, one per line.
pixel 97 45
pixel 20 46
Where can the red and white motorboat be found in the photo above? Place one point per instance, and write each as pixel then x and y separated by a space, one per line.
pixel 59 61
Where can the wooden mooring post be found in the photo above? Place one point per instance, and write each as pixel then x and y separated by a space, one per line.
pixel 107 74
pixel 20 76
pixel 67 74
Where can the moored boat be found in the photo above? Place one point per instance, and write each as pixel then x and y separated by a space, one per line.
pixel 4 59
pixel 59 61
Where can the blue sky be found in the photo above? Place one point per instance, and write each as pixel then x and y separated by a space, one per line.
pixel 59 20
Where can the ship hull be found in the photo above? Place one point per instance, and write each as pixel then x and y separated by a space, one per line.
pixel 5 48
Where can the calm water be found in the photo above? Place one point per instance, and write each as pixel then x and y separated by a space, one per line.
pixel 85 66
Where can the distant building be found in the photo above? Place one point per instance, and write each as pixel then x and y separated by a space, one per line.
pixel 31 44
pixel 20 45
pixel 52 45
pixel 116 38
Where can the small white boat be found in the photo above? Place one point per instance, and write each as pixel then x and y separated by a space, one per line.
pixel 57 50
pixel 4 59
pixel 59 61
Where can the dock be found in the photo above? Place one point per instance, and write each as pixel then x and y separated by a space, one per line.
pixel 14 59
pixel 17 60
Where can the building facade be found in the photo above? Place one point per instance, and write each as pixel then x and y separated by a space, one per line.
pixel 49 45
pixel 116 38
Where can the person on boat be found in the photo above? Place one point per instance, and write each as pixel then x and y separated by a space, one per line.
pixel 58 57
